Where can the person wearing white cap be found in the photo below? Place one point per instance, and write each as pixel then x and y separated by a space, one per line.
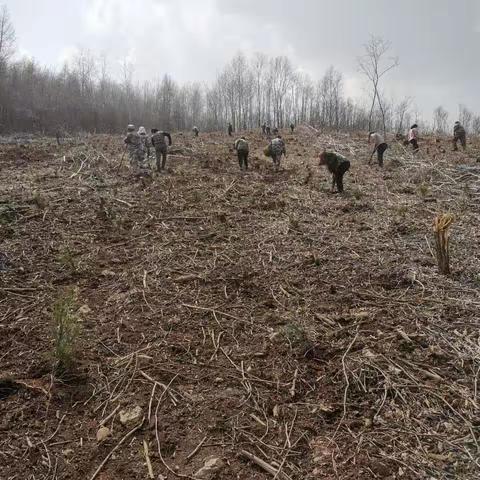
pixel 146 141
pixel 136 151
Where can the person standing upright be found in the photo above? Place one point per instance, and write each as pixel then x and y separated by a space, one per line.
pixel 459 133
pixel 136 152
pixel 413 137
pixel 146 142
pixel 241 147
pixel 160 145
pixel 277 149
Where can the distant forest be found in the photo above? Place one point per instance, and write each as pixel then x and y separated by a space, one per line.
pixel 83 96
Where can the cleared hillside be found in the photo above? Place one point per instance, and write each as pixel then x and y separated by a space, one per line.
pixel 251 312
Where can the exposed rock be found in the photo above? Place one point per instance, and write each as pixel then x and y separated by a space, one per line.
pixel 84 310
pixel 210 469
pixel 103 433
pixel 131 416
pixel 107 273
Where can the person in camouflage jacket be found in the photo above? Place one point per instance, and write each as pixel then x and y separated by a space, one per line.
pixel 146 142
pixel 134 145
pixel 337 165
pixel 241 147
pixel 160 145
pixel 136 150
pixel 459 133
pixel 277 149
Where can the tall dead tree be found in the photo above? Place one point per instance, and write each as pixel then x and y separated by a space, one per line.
pixel 7 36
pixel 401 112
pixel 440 117
pixel 7 49
pixel 374 64
pixel 465 116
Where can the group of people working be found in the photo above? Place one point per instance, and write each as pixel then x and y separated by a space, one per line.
pixel 139 145
pixel 459 135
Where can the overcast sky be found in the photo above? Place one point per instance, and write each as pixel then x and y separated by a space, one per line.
pixel 437 41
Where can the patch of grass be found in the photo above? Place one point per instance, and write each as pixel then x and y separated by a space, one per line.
pixel 424 189
pixel 8 213
pixel 401 210
pixel 294 334
pixel 66 332
pixel 357 194
pixel 38 200
pixel 317 261
pixel 67 259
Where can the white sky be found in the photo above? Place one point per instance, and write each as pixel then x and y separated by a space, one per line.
pixel 437 40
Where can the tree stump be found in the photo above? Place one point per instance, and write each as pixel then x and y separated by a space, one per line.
pixel 441 228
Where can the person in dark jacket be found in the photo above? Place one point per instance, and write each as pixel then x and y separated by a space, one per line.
pixel 413 137
pixel 459 133
pixel 292 127
pixel 160 145
pixel 230 129
pixel 337 165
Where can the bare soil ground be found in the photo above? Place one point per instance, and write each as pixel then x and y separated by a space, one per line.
pixel 245 314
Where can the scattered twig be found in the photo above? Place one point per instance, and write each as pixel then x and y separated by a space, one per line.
pixel 147 459
pixel 197 448
pixel 126 437
pixel 276 472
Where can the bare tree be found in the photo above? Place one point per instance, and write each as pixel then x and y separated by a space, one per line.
pixel 401 112
pixel 330 94
pixel 281 76
pixel 82 96
pixel 476 125
pixel 374 64
pixel 440 118
pixel 7 36
pixel 465 116
pixel 84 65
pixel 258 66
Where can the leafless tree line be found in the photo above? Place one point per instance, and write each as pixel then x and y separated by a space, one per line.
pixel 248 92
pixel 84 95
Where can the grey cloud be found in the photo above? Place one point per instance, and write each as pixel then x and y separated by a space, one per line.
pixel 436 40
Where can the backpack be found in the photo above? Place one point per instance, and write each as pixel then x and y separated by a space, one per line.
pixel 242 145
pixel 158 139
